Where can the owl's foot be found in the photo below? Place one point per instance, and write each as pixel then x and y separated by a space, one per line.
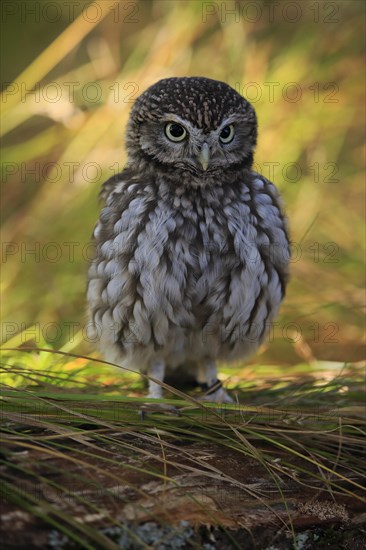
pixel 207 380
pixel 215 393
pixel 150 408
pixel 156 376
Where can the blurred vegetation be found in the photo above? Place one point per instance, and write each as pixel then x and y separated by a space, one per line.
pixel 301 68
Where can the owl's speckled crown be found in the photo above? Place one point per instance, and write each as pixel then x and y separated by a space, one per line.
pixel 202 101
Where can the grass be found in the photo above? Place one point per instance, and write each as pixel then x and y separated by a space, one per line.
pixel 74 445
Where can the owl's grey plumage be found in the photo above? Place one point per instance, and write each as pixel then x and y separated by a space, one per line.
pixel 192 246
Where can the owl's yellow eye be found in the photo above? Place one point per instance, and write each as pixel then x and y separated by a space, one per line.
pixel 175 131
pixel 227 134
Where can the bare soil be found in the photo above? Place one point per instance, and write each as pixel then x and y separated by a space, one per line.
pixel 196 508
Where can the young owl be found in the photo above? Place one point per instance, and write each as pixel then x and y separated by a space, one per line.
pixel 192 249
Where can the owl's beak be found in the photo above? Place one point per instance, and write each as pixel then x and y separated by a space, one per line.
pixel 204 156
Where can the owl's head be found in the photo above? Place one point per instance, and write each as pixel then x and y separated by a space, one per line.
pixel 194 126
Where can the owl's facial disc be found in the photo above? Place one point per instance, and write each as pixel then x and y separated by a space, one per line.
pixel 202 152
pixel 193 149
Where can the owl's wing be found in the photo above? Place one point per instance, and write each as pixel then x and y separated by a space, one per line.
pixel 271 226
pixel 109 186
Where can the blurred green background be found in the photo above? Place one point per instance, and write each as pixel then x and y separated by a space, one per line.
pixel 70 74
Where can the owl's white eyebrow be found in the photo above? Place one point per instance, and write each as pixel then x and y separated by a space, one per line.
pixel 175 118
pixel 227 121
pixel 191 129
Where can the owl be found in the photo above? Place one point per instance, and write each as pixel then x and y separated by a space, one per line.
pixel 192 248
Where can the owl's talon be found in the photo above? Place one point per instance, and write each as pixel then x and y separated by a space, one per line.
pixel 165 408
pixel 220 397
pixel 215 393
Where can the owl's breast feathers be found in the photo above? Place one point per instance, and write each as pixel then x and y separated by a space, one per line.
pixel 213 259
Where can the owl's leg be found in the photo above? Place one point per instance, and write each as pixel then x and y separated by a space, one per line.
pixel 207 379
pixel 157 371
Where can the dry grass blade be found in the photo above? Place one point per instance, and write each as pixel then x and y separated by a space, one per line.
pixel 176 458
